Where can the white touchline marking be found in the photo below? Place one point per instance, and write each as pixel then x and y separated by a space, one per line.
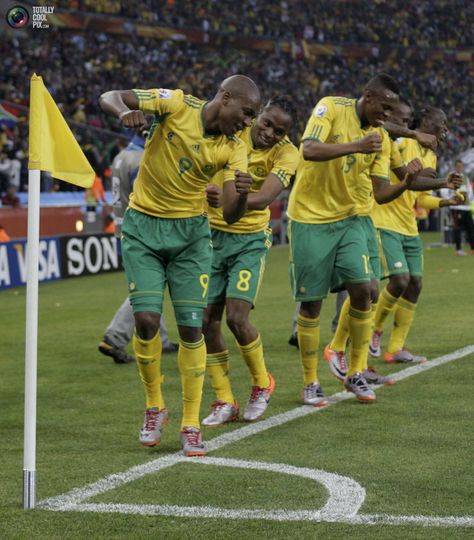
pixel 345 491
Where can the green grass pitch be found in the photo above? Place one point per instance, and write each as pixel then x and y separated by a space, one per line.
pixel 411 450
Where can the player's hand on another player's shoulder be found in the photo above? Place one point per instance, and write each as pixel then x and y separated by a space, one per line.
pixel 133 119
pixel 243 182
pixel 214 196
pixel 370 144
pixel 426 139
pixel 414 168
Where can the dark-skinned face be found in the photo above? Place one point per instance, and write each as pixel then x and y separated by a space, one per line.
pixel 401 115
pixel 237 113
pixel 378 106
pixel 270 127
pixel 436 124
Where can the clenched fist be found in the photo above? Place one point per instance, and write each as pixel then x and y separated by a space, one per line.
pixel 243 182
pixel 370 144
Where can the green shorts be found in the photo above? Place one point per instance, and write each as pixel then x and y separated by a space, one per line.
pixel 372 239
pixel 318 252
pixel 177 252
pixel 402 254
pixel 238 264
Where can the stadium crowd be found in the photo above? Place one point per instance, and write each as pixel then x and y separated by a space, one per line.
pixel 445 23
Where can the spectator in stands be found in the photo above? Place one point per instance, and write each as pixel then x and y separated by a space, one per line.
pixel 95 195
pixel 11 198
pixel 109 224
pixel 461 215
pixel 5 168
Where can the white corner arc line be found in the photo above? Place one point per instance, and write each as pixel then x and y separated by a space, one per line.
pixel 73 500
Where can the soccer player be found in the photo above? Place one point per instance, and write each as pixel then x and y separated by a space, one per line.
pixel 344 156
pixel 238 263
pixel 402 246
pixel 119 332
pixel 166 237
pixel 334 353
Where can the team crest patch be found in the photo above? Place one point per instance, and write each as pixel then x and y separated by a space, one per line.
pixel 320 111
pixel 164 93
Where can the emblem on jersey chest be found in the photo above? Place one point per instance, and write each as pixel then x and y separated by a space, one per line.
pixel 258 171
pixel 208 169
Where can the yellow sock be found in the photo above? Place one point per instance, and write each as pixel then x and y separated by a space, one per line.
pixel 360 329
pixel 339 340
pixel 308 341
pixel 402 321
pixel 253 356
pixel 385 306
pixel 192 366
pixel 148 357
pixel 217 367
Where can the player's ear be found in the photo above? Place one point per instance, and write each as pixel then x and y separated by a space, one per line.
pixel 226 97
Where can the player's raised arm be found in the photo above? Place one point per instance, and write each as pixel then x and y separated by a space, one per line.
pixel 425 139
pixel 319 151
pixel 124 105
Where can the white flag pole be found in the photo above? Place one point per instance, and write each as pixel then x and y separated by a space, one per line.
pixel 31 339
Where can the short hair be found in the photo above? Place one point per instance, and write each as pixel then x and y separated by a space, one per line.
pixel 456 162
pixel 382 81
pixel 285 103
pixel 425 113
pixel 404 101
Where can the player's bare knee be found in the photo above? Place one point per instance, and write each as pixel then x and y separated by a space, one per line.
pixel 311 310
pixel 360 294
pixel 147 324
pixel 237 322
pixel 399 284
pixel 190 334
pixel 416 283
pixel 374 291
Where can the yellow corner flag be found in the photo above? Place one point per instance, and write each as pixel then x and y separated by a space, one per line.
pixel 53 147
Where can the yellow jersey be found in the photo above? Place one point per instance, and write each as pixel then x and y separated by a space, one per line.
pixel 368 205
pixel 180 158
pixel 398 215
pixel 327 191
pixel 281 160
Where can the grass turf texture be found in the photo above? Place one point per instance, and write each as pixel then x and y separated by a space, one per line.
pixel 411 450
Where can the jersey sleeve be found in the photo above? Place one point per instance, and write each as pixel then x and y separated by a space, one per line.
pixel 159 100
pixel 319 125
pixel 396 160
pixel 381 164
pixel 237 160
pixel 425 200
pixel 284 166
